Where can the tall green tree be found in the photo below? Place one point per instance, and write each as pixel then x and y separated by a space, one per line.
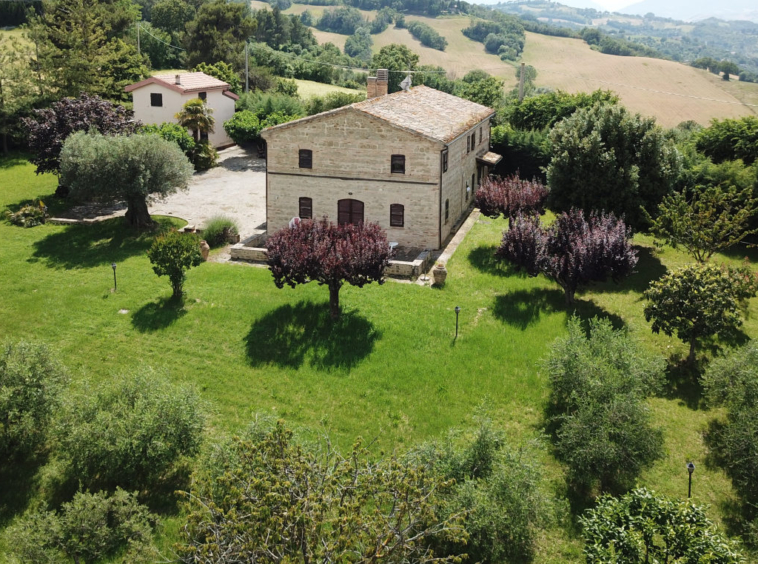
pixel 397 58
pixel 730 139
pixel 605 158
pixel 18 87
pixel 172 15
pixel 101 168
pixel 480 87
pixel 218 33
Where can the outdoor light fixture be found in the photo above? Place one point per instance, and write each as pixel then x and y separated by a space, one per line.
pixel 457 311
pixel 690 469
pixel 115 286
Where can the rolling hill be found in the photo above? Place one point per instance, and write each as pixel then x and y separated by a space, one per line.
pixel 669 91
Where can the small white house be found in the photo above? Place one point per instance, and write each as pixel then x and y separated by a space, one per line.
pixel 159 98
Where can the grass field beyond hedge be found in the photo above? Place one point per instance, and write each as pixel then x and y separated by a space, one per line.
pixel 389 370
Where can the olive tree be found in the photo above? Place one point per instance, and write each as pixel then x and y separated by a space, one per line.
pixel 131 431
pixel 699 302
pixel 132 168
pixel 31 380
pixel 603 427
pixel 87 529
pixel 605 158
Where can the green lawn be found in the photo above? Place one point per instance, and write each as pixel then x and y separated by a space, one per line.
pixel 390 369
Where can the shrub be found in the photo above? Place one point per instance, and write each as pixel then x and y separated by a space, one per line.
pixel 545 110
pixel 204 156
pixel 730 139
pixel 263 104
pixel 715 312
pixel 243 127
pixel 603 428
pixel 220 230
pixel 173 254
pixel 572 251
pixel 172 132
pixel 331 101
pixel 642 526
pixel 30 384
pixel 88 529
pixel 345 20
pixel 28 216
pixel 525 153
pixel 511 197
pixel 286 86
pixel 130 432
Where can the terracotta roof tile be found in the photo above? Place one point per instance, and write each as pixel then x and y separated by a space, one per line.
pixel 427 111
pixel 422 110
pixel 189 82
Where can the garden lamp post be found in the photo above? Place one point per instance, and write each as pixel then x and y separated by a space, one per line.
pixel 690 469
pixel 457 311
pixel 115 286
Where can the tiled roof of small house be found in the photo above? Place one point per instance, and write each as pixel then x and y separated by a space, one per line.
pixel 188 82
pixel 427 111
pixel 423 110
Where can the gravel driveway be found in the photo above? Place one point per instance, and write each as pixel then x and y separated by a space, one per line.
pixel 236 188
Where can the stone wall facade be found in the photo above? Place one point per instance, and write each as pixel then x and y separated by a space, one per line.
pixel 351 159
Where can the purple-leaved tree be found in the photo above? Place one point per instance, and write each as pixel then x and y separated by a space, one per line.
pixel 329 254
pixel 511 197
pixel 573 251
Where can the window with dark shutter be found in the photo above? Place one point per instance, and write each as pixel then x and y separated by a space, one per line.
pixel 156 100
pixel 480 134
pixel 444 160
pixel 203 95
pixel 468 144
pixel 306 208
pixel 398 164
pixel 397 215
pixel 349 211
pixel 447 210
pixel 306 158
pixel 473 141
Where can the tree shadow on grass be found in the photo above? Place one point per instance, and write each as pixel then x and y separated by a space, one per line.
pixel 683 382
pixel 649 267
pixel 95 244
pixel 523 308
pixel 483 259
pixel 158 314
pixel 18 476
pixel 292 334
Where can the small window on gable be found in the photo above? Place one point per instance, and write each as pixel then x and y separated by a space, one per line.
pixel 397 215
pixel 447 210
pixel 398 164
pixel 156 100
pixel 468 144
pixel 473 140
pixel 305 208
pixel 203 95
pixel 480 134
pixel 305 158
pixel 444 160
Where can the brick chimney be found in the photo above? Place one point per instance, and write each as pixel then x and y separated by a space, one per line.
pixel 177 79
pixel 377 85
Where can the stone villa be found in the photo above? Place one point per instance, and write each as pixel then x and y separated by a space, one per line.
pixel 409 161
pixel 159 98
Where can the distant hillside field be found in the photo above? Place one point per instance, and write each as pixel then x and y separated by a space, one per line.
pixel 671 92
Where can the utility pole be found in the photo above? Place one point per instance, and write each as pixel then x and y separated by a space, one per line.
pixel 247 73
pixel 521 83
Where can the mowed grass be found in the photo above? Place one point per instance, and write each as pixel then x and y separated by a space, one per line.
pixel 390 369
pixel 671 92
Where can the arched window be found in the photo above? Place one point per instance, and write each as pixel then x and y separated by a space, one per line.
pixel 349 211
pixel 305 208
pixel 447 210
pixel 397 215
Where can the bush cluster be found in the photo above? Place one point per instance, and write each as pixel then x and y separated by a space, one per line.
pixel 427 35
pixel 220 230
pixel 28 216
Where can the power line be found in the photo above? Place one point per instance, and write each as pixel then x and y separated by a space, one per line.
pixel 139 27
